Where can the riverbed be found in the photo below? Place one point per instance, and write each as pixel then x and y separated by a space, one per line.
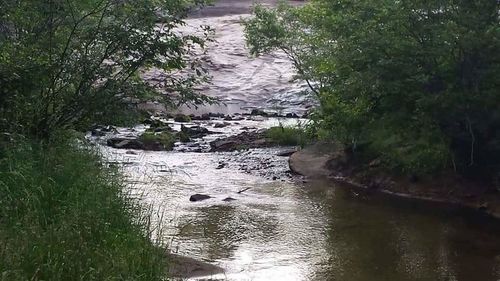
pixel 281 226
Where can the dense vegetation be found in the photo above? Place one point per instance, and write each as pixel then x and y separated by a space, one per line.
pixel 65 65
pixel 68 64
pixel 412 83
pixel 64 216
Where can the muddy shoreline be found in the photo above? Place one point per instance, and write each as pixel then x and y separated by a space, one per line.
pixel 445 191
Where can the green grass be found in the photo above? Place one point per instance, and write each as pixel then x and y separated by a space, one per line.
pixel 64 216
pixel 288 135
pixel 166 139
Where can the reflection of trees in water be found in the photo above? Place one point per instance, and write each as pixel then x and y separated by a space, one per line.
pixel 374 242
pixel 223 228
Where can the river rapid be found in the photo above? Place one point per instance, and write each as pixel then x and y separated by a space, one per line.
pixel 281 226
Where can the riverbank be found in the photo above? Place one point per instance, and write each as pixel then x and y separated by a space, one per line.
pixel 448 189
pixel 64 215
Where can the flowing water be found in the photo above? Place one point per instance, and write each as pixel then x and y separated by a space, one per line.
pixel 282 227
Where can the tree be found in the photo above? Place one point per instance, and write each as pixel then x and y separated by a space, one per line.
pixel 68 63
pixel 412 82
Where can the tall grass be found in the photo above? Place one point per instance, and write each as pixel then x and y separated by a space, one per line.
pixel 289 135
pixel 63 216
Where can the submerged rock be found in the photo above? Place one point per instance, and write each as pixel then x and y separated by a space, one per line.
pixel 229 199
pixel 199 197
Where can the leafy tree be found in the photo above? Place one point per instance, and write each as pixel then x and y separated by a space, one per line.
pixel 74 62
pixel 412 82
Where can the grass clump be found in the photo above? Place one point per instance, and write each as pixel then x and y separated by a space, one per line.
pixel 288 135
pixel 64 216
pixel 164 139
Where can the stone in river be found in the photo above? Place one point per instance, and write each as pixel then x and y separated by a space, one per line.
pixel 199 197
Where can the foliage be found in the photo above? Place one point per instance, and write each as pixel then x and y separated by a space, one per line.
pixel 288 135
pixel 68 64
pixel 414 82
pixel 166 139
pixel 64 216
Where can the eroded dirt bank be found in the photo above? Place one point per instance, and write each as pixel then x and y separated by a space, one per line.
pixel 449 190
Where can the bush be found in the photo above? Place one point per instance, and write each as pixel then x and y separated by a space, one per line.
pixel 64 216
pixel 166 139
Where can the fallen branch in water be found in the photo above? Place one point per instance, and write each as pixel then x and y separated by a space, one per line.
pixel 243 190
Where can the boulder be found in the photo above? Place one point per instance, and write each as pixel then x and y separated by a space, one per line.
pixel 195 131
pixel 199 197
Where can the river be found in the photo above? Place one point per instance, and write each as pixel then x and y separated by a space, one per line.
pixel 283 227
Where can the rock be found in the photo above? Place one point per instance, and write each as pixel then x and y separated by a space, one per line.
pixel 312 161
pixel 122 143
pixel 101 131
pixel 163 129
pixel 257 118
pixel 216 115
pixel 199 197
pixel 130 152
pixel 97 133
pixel 228 199
pixel 181 118
pixel 195 131
pixel 286 153
pixel 205 117
pixel 260 112
pixel 228 118
pixel 221 166
pixel 220 125
pixel 241 141
pixel 184 268
pixel 291 115
pixel 223 145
